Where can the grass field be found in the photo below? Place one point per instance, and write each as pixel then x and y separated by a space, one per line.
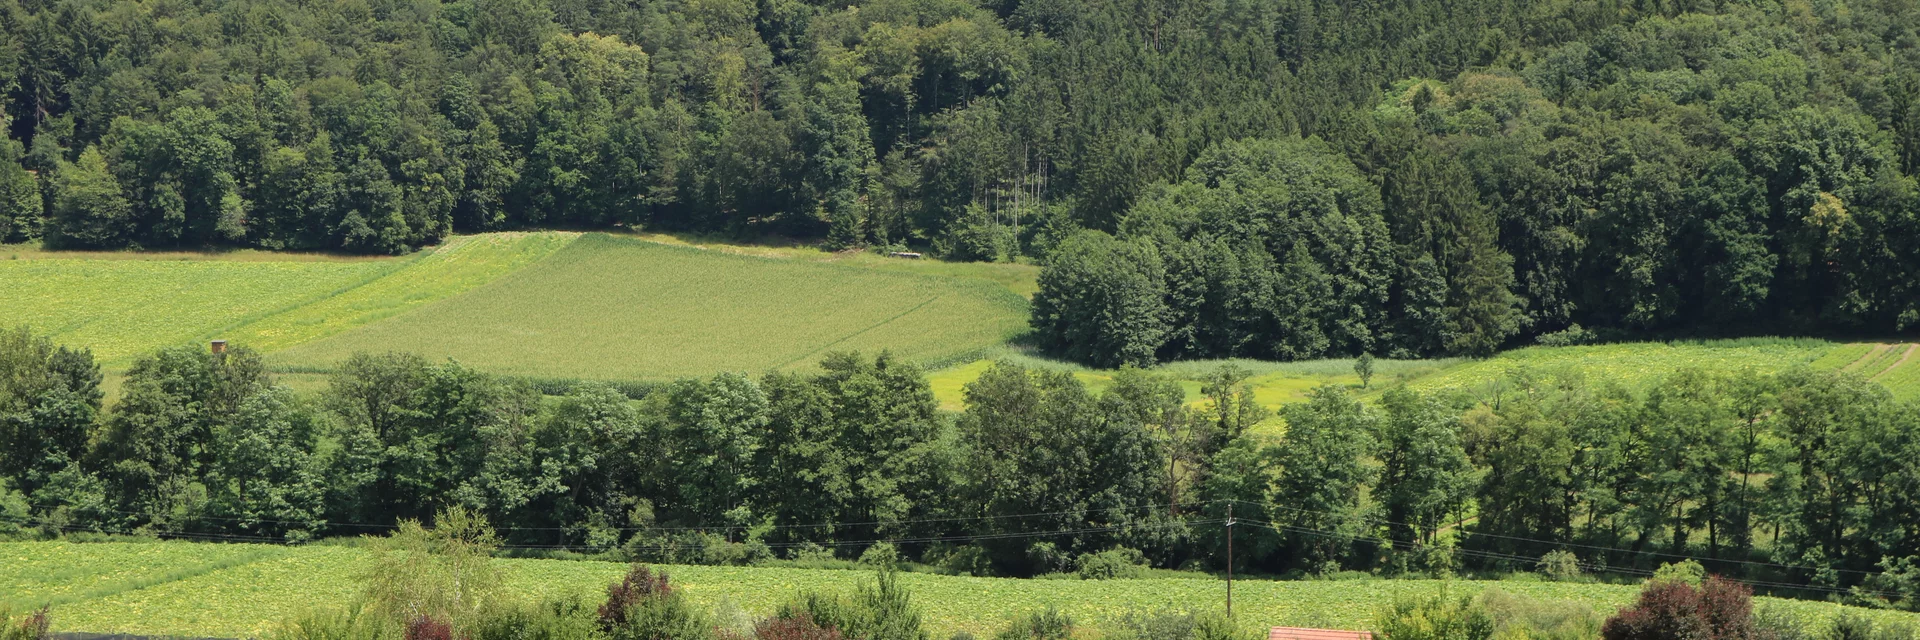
pixel 620 308
pixel 463 263
pixel 1274 383
pixel 124 307
pixel 194 589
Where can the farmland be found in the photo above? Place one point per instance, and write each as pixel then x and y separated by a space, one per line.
pixel 619 308
pixel 153 588
pixel 121 308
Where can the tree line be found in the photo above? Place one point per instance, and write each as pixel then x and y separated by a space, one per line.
pixel 1284 178
pixel 1806 476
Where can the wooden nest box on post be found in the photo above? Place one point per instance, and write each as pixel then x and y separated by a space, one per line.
pixel 218 346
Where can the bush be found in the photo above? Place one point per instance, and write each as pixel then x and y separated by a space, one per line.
pixel 1687 572
pixel 1560 565
pixel 350 624
pixel 644 606
pixel 445 573
pixel 966 560
pixel 1039 625
pixel 1437 618
pixel 797 626
pixel 880 610
pixel 32 626
pixel 1115 563
pixel 428 628
pixel 1521 618
pixel 1179 626
pixel 561 620
pixel 1573 335
pixel 1672 609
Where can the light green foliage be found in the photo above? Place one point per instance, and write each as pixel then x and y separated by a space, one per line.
pixel 254 598
pixel 1046 624
pixel 1439 617
pixel 615 308
pixel 1560 564
pixel 445 573
pixel 1633 364
pixel 1687 571
pixel 1115 563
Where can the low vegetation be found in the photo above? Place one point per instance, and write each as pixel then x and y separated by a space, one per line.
pixel 122 308
pixel 616 308
pixel 321 585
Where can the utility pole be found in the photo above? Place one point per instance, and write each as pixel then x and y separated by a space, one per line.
pixel 1229 559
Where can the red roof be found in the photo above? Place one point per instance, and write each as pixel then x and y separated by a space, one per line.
pixel 1299 633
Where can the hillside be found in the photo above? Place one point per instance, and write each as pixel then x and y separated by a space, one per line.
pixel 197 589
pixel 627 309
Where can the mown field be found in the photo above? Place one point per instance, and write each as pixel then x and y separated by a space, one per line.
pixel 194 589
pixel 620 308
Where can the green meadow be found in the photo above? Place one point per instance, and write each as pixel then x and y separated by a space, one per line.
pixel 189 589
pixel 621 308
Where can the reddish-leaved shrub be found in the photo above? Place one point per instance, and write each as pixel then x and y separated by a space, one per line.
pixel 799 626
pixel 1674 610
pixel 427 628
pixel 641 583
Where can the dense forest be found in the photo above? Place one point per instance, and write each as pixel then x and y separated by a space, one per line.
pixel 1261 178
pixel 1804 478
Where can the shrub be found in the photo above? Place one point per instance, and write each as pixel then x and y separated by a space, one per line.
pixel 445 573
pixel 1437 618
pixel 428 628
pixel 1522 618
pixel 32 626
pixel 644 606
pixel 1115 563
pixel 639 584
pixel 337 624
pixel 560 620
pixel 1686 571
pixel 1039 625
pixel 1560 565
pixel 1179 626
pixel 883 555
pixel 1671 609
pixel 797 626
pixel 880 610
pixel 1573 335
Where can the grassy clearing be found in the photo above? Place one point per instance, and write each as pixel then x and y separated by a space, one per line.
pixel 1274 383
pixel 626 309
pixel 1635 364
pixel 463 263
pixel 246 600
pixel 121 308
pixel 1019 278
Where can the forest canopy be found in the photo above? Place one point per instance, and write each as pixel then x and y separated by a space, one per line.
pixel 1300 177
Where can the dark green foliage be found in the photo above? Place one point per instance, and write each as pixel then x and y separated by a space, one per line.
pixel 1101 301
pixel 1036 441
pixel 1321 473
pixel 49 401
